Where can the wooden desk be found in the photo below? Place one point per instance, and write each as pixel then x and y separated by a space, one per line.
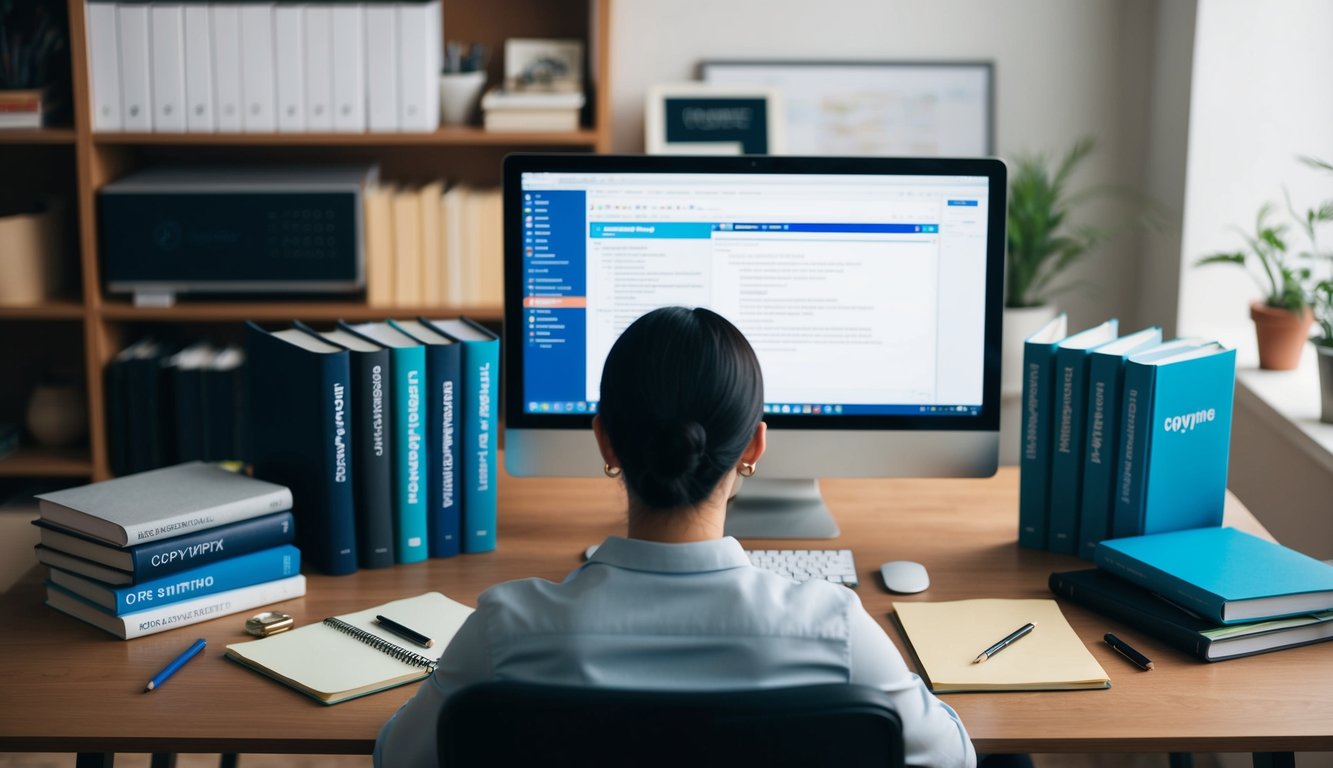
pixel 70 687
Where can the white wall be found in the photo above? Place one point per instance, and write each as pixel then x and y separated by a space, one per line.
pixel 1063 70
pixel 1263 76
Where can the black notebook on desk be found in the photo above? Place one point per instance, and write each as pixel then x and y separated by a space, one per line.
pixel 1153 615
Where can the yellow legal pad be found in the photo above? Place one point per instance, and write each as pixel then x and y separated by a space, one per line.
pixel 947 636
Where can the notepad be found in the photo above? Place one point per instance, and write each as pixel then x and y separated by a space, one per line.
pixel 333 662
pixel 947 636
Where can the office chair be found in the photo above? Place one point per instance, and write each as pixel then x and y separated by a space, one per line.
pixel 509 723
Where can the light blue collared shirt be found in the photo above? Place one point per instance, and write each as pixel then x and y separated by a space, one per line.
pixel 694 616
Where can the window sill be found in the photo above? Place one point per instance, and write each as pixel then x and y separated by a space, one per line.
pixel 1288 401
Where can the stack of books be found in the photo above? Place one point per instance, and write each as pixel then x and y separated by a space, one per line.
pixel 1121 435
pixel 167 548
pixel 24 109
pixel 514 110
pixel 1215 593
pixel 384 431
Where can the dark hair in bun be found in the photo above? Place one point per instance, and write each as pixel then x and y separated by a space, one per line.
pixel 681 397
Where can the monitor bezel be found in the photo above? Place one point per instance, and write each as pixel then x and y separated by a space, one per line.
pixel 515 165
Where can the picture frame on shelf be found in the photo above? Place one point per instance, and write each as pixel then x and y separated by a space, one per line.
pixel 703 119
pixel 543 65
pixel 902 108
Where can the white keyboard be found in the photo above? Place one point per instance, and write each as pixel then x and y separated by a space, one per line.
pixel 835 565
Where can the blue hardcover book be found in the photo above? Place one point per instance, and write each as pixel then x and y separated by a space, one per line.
pixel 408 363
pixel 166 556
pixel 373 477
pixel 301 433
pixel 1035 459
pixel 1223 574
pixel 443 370
pixel 480 397
pixel 234 573
pixel 1069 387
pixel 1106 372
pixel 1175 439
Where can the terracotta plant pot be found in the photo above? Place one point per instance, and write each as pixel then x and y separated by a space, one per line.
pixel 1282 335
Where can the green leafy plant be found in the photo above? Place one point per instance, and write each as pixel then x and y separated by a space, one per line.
pixel 1042 241
pixel 1323 313
pixel 1285 284
pixel 1321 298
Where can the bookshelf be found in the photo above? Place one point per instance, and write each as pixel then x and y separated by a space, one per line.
pixel 84 329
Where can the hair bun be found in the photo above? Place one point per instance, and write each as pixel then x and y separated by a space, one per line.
pixel 677 448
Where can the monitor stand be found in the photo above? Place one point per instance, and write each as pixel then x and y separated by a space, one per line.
pixel 779 509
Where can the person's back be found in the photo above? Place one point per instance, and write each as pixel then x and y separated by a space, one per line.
pixel 676 605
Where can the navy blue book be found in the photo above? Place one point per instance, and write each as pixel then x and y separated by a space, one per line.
pixel 480 398
pixel 411 441
pixel 1068 414
pixel 186 368
pixel 232 573
pixel 1034 477
pixel 178 553
pixel 224 405
pixel 443 368
pixel 372 476
pixel 1106 373
pixel 1149 613
pixel 1223 574
pixel 1175 439
pixel 301 432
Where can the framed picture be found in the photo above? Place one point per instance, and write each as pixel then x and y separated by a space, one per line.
pixel 941 109
pixel 543 65
pixel 701 119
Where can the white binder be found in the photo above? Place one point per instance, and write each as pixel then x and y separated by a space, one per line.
pixel 349 68
pixel 199 111
pixel 104 66
pixel 420 48
pixel 167 30
pixel 381 67
pixel 136 75
pixel 289 65
pixel 228 99
pixel 257 73
pixel 319 67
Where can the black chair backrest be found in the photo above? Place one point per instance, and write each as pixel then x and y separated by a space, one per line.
pixel 515 724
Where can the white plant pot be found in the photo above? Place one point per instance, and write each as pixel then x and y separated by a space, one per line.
pixel 1019 323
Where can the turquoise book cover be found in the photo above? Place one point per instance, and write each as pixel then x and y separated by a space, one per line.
pixel 1106 373
pixel 1069 390
pixel 1034 458
pixel 1224 574
pixel 407 364
pixel 1175 439
pixel 481 390
pixel 233 573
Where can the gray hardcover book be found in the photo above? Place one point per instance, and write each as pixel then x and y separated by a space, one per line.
pixel 162 503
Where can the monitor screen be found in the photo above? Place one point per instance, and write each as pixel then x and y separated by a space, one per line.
pixel 868 287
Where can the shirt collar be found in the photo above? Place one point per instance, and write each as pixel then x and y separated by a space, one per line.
pixel 692 557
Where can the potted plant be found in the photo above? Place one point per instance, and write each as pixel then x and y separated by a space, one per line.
pixel 1322 298
pixel 1042 243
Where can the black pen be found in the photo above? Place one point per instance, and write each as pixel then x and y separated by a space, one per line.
pixel 404 632
pixel 1125 650
pixel 1000 646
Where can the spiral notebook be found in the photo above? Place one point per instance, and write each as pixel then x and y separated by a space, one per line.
pixel 348 656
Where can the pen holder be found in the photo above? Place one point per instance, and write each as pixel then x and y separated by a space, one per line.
pixel 459 93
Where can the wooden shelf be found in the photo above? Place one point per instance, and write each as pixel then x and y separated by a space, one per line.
pixel 444 137
pixel 36 136
pixel 51 310
pixel 30 461
pixel 282 311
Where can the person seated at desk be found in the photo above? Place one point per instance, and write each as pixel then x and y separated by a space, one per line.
pixel 676 605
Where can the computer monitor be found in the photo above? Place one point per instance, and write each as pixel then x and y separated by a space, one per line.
pixel 870 289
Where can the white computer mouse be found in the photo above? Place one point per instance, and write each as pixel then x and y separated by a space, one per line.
pixel 904 576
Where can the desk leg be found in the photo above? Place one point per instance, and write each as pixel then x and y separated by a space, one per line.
pixel 1274 760
pixel 1183 760
pixel 95 760
pixel 162 760
pixel 228 760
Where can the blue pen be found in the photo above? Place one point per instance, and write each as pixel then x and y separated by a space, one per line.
pixel 161 677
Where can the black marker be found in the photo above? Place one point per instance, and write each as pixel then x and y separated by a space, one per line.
pixel 1000 646
pixel 1123 649
pixel 404 632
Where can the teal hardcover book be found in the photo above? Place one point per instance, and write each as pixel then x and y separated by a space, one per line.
pixel 1069 389
pixel 1106 373
pixel 1175 439
pixel 1035 458
pixel 1224 574
pixel 408 371
pixel 481 390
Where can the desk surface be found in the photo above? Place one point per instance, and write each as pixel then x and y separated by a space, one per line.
pixel 70 687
